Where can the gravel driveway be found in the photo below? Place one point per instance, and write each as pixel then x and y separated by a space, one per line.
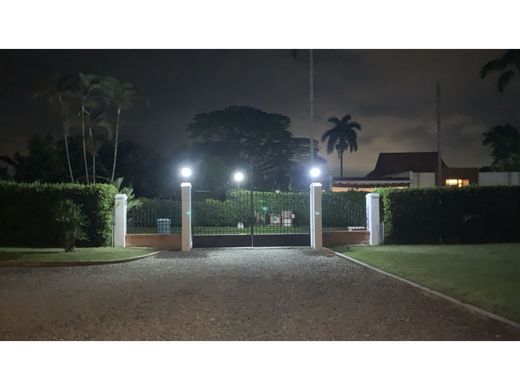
pixel 233 294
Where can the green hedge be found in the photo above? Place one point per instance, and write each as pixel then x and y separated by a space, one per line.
pixel 451 215
pixel 26 213
pixel 339 209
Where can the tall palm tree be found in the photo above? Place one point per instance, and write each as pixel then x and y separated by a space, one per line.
pixel 508 64
pixel 87 91
pixel 94 122
pixel 122 95
pixel 62 101
pixel 341 137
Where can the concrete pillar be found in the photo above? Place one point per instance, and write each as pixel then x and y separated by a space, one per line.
pixel 373 224
pixel 120 221
pixel 316 190
pixel 187 242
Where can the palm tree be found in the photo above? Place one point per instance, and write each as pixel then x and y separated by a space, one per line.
pixel 88 93
pixel 93 122
pixel 508 64
pixel 341 137
pixel 122 95
pixel 62 100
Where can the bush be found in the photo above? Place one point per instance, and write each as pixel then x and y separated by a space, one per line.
pixel 27 213
pixel 451 215
pixel 71 223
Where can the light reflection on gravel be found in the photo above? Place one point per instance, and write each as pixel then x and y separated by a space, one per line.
pixel 236 294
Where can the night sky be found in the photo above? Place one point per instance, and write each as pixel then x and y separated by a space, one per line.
pixel 390 92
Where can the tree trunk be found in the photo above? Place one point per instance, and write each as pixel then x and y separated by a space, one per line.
pixel 115 144
pixel 93 156
pixel 340 154
pixel 68 157
pixel 83 140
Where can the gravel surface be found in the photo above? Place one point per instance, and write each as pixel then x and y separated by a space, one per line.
pixel 233 294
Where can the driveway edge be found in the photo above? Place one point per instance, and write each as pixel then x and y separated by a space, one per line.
pixel 79 263
pixel 467 306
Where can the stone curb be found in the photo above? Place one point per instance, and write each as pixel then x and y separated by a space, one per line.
pixel 436 293
pixel 77 263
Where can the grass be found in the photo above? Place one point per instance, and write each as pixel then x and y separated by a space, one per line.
pixel 486 275
pixel 18 256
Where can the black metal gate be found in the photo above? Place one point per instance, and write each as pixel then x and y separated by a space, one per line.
pixel 252 218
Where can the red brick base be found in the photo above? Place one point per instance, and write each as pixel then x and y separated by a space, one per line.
pixel 345 238
pixel 159 241
pixel 173 241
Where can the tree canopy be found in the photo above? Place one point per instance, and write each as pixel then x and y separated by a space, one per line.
pixel 505 142
pixel 244 136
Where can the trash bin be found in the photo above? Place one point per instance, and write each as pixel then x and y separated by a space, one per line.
pixel 164 225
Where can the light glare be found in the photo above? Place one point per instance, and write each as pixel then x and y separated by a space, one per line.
pixel 315 172
pixel 185 172
pixel 238 177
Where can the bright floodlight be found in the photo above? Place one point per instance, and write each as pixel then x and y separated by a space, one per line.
pixel 238 177
pixel 315 172
pixel 185 172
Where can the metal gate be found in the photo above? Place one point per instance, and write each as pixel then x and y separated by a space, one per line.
pixel 252 218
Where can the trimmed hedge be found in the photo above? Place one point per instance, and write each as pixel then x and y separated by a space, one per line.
pixel 451 215
pixel 26 213
pixel 339 209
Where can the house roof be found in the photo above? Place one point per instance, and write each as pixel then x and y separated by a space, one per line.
pixel 392 163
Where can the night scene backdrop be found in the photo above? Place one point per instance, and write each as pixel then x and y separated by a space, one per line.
pixel 390 93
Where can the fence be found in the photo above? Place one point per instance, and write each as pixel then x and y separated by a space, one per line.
pixel 341 211
pixel 155 216
pixel 344 211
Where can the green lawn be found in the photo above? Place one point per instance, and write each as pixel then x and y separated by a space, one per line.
pixel 57 255
pixel 487 276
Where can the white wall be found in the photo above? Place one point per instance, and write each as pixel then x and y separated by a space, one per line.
pixel 499 178
pixel 422 179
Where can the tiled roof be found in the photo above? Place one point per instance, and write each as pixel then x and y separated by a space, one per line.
pixel 392 163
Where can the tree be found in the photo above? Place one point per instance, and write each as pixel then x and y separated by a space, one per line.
pixel 508 65
pixel 62 103
pixel 93 122
pixel 43 161
pixel 243 134
pixel 122 96
pixel 505 142
pixel 341 137
pixel 87 91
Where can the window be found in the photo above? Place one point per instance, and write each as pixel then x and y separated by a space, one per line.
pixel 457 182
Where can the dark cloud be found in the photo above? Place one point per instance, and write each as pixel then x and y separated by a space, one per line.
pixel 390 92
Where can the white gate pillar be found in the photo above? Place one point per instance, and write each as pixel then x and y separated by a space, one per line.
pixel 186 242
pixel 316 190
pixel 373 224
pixel 120 220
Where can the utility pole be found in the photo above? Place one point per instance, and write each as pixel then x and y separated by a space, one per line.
pixel 311 106
pixel 439 157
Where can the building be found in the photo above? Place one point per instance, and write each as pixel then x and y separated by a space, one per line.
pixel 419 170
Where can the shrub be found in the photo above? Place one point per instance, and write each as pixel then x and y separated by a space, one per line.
pixel 27 213
pixel 71 223
pixel 451 215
